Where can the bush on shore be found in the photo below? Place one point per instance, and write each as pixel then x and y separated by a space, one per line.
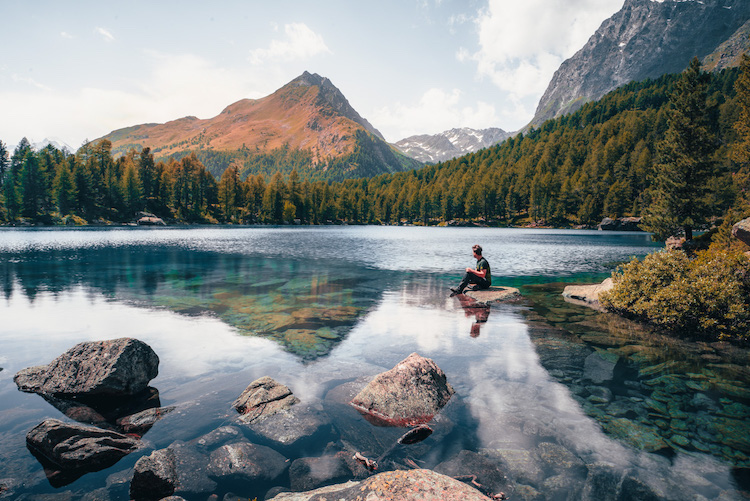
pixel 706 296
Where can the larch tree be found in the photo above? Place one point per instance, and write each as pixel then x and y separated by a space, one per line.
pixel 684 162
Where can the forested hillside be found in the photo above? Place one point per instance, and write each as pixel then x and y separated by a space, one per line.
pixel 600 161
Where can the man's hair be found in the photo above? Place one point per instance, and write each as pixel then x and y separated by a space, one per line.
pixel 477 249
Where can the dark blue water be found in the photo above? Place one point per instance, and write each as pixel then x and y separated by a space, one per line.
pixel 318 307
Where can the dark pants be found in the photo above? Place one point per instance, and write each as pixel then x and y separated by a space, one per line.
pixel 471 278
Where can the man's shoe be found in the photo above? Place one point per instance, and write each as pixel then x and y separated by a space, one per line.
pixel 454 292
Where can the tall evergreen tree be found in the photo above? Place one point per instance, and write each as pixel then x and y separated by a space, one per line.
pixel 684 164
pixel 64 188
pixel 740 154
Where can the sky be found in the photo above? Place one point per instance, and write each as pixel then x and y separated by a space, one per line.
pixel 75 71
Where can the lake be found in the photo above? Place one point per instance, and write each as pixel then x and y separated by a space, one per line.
pixel 566 401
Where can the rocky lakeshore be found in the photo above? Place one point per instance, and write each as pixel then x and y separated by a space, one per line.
pixel 375 436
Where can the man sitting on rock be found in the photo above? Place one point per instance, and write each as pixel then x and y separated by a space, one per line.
pixel 480 277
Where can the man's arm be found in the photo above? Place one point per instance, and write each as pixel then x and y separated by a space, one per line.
pixel 480 273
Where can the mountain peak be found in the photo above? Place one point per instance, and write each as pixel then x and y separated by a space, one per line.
pixel 645 39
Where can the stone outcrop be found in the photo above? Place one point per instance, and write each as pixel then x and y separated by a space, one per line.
pixel 412 485
pixel 407 395
pixel 587 295
pixel 494 294
pixel 263 398
pixel 741 231
pixel 76 447
pixel 117 367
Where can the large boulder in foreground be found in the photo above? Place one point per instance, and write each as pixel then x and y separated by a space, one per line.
pixel 410 394
pixel 411 485
pixel 76 447
pixel 99 368
pixel 741 231
pixel 262 398
pixel 154 476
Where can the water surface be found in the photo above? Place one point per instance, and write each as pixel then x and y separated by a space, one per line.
pixel 318 307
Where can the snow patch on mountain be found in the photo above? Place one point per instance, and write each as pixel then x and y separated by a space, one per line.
pixel 433 148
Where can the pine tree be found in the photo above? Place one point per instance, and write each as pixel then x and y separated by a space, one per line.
pixel 740 153
pixel 64 188
pixel 684 165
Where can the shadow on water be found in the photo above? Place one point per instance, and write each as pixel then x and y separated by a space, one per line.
pixel 306 308
pixel 653 392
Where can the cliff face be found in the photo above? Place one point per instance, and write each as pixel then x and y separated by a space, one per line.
pixel 645 39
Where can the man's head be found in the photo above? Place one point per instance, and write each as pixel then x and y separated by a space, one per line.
pixel 477 250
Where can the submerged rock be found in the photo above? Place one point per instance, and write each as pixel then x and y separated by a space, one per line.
pixel 75 447
pixel 263 398
pixel 246 462
pixel 310 473
pixel 412 485
pixel 294 426
pixel 409 394
pixel 468 464
pixel 116 367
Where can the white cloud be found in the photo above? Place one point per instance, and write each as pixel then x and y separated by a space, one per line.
pixel 106 35
pixel 437 110
pixel 65 34
pixel 521 44
pixel 300 42
pixel 174 86
pixel 28 81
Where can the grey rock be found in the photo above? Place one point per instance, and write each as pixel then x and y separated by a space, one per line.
pixel 409 394
pixel 140 422
pixel 217 438
pixel 117 367
pixel 741 231
pixel 294 426
pixel 76 447
pixel 244 461
pixel 310 473
pixel 154 476
pixel 262 398
pixel 645 39
pixel 192 471
pixel 411 485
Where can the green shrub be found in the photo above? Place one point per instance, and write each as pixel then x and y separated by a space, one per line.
pixel 707 296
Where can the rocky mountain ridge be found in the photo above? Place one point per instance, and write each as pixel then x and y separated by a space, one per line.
pixel 433 148
pixel 645 39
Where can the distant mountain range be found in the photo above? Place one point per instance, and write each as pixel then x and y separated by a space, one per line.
pixel 645 39
pixel 450 144
pixel 308 114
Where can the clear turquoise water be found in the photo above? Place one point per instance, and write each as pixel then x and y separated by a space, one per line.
pixel 316 307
